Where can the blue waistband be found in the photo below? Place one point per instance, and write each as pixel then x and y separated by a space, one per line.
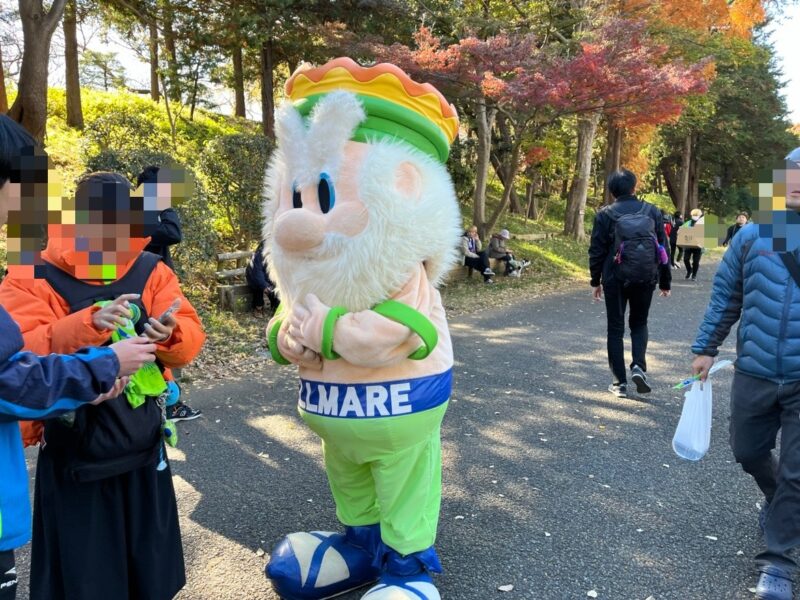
pixel 379 399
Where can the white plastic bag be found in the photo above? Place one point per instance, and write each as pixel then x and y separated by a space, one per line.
pixel 693 434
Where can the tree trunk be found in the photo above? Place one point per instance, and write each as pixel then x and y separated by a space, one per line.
pixel 155 92
pixel 3 95
pixel 73 81
pixel 484 121
pixel 173 72
pixel 576 202
pixel 530 198
pixel 30 105
pixel 195 84
pixel 502 175
pixel 512 175
pixel 267 84
pixel 613 157
pixel 669 181
pixel 502 169
pixel 238 83
pixel 693 199
pixel 686 161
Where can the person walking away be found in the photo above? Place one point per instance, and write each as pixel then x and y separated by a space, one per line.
pixel 758 284
pixel 627 257
pixel 474 257
pixel 39 387
pixel 677 222
pixel 691 254
pixel 741 221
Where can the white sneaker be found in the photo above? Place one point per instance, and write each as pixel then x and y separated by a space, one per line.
pixel 488 271
pixel 514 273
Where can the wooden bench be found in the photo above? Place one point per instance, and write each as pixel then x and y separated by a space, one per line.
pixel 231 284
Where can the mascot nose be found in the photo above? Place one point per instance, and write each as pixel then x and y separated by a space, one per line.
pixel 299 229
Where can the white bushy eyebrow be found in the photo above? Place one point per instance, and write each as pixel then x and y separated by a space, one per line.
pixel 319 148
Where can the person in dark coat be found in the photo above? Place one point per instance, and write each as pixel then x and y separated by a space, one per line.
pixel 166 231
pixel 618 294
pixel 38 387
pixel 677 221
pixel 259 282
pixel 741 221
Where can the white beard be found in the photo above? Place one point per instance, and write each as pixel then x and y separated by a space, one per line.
pixel 402 233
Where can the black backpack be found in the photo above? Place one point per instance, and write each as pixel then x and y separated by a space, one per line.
pixel 635 247
pixel 111 438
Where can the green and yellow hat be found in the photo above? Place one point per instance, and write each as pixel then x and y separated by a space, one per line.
pixel 397 107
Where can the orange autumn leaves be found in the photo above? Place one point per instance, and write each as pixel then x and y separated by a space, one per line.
pixel 736 17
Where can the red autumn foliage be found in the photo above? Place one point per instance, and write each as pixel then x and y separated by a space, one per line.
pixel 619 70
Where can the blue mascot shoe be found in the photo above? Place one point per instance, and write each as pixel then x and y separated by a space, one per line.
pixel 774 584
pixel 320 564
pixel 407 577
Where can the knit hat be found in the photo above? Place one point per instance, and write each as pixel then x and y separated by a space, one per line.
pixel 397 107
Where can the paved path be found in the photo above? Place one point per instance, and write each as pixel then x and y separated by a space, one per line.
pixel 550 484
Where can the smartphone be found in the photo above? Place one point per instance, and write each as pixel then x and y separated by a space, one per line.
pixel 172 308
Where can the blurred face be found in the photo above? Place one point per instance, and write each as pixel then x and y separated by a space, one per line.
pixel 741 219
pixel 793 188
pixel 473 232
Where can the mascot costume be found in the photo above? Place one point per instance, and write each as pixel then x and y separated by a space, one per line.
pixel 361 225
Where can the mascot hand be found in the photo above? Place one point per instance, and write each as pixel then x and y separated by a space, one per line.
pixel 306 320
pixel 296 352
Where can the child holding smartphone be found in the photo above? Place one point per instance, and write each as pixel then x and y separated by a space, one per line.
pixel 105 517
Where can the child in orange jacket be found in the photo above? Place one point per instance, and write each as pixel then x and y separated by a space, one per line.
pixel 105 517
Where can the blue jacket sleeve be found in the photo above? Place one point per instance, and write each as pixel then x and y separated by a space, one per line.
pixel 725 306
pixel 35 387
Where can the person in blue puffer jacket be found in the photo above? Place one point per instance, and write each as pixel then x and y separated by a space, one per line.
pixel 34 387
pixel 756 286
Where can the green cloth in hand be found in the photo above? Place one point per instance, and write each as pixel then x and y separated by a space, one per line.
pixel 147 381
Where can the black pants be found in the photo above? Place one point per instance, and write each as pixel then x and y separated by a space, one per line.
pixel 8 576
pixel 673 244
pixel 617 297
pixel 258 297
pixel 481 263
pixel 113 538
pixel 507 258
pixel 691 258
pixel 759 408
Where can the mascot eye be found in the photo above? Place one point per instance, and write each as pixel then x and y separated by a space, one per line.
pixel 297 200
pixel 326 193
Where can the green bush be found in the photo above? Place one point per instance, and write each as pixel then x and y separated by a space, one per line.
pixel 232 168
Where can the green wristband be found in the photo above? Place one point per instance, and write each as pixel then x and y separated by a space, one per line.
pixel 327 332
pixel 415 321
pixel 272 338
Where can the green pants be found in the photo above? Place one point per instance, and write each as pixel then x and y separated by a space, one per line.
pixel 386 470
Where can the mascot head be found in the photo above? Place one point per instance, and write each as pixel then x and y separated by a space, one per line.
pixel 357 195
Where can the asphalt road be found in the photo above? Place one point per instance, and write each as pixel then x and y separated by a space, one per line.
pixel 551 484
